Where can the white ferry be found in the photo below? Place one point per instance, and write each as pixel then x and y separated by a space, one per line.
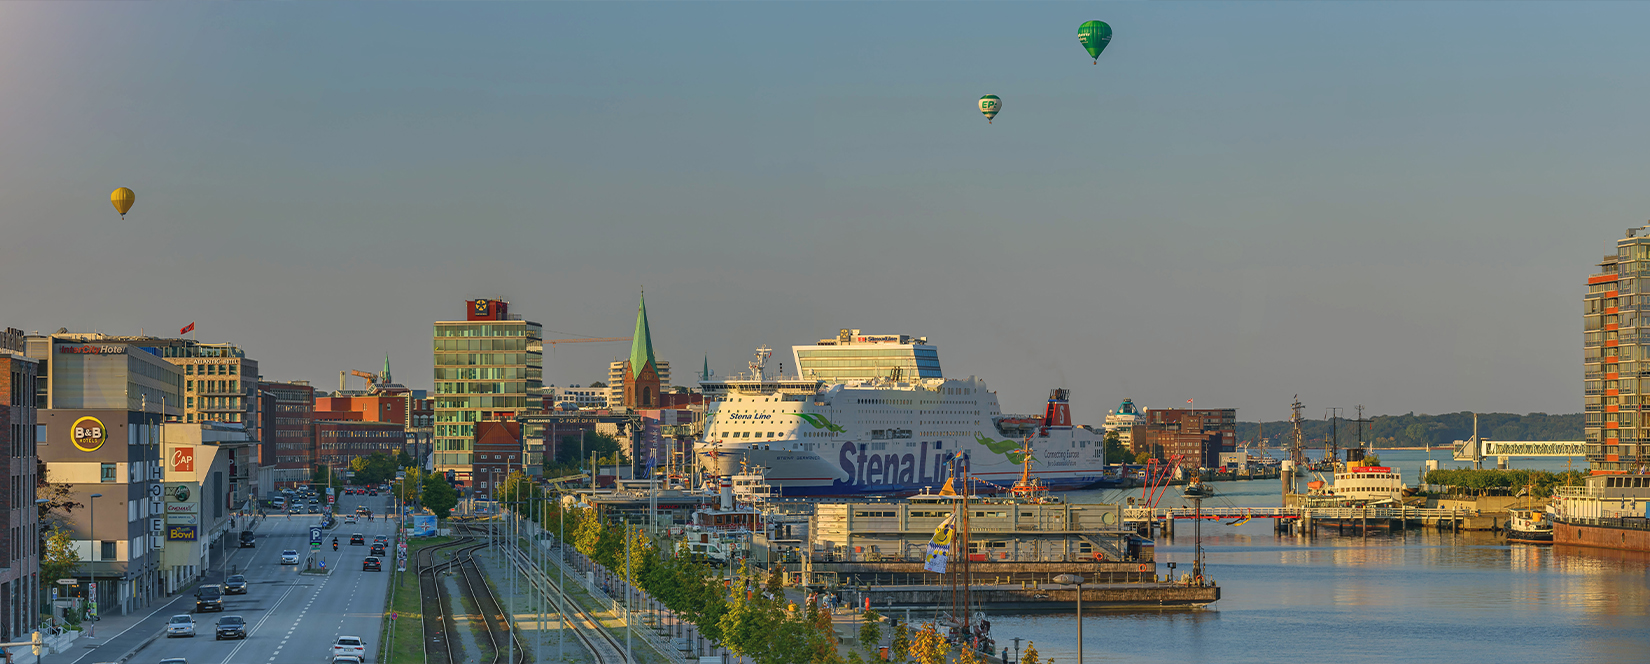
pixel 1364 485
pixel 830 432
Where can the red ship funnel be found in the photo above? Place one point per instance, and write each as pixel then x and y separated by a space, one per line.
pixel 1058 414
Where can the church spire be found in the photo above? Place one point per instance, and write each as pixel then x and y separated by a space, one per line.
pixel 386 377
pixel 641 343
pixel 705 375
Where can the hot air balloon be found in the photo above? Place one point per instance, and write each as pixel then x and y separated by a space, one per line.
pixel 989 105
pixel 123 199
pixel 1094 35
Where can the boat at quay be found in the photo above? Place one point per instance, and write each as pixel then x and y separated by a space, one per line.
pixel 1607 512
pixel 892 427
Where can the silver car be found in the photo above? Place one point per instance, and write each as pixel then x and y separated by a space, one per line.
pixel 182 624
pixel 289 557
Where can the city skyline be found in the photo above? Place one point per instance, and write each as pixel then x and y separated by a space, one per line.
pixel 1404 220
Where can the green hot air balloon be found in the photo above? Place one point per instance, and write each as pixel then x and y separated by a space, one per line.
pixel 1094 35
pixel 989 105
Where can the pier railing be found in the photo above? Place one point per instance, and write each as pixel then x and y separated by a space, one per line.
pixel 1624 523
pixel 1138 514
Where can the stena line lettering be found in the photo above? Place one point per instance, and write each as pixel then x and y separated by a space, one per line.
pixel 749 416
pixel 865 468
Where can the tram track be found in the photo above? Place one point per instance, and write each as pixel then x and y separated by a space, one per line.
pixel 439 631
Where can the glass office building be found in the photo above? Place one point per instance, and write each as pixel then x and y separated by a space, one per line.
pixel 485 370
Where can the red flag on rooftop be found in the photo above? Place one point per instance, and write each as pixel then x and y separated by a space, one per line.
pixel 187 328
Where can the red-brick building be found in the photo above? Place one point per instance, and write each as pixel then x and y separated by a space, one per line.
pixel 498 452
pixel 286 419
pixel 341 436
pixel 1197 435
pixel 19 531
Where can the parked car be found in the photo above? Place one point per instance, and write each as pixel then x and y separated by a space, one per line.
pixel 209 598
pixel 372 563
pixel 234 585
pixel 349 645
pixel 289 557
pixel 230 627
pixel 357 539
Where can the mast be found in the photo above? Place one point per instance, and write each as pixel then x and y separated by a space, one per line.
pixel 1297 454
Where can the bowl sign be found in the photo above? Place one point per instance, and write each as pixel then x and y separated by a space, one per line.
pixel 183 460
pixel 89 434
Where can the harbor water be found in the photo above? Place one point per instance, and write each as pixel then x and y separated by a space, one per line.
pixel 1416 596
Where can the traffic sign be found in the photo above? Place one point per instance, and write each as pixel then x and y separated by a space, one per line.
pixel 314 534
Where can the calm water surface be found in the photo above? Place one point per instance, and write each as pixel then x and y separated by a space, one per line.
pixel 1421 596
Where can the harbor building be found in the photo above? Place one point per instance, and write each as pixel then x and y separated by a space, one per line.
pixel 636 382
pixel 1197 435
pixel 853 356
pixel 1613 351
pixel 20 533
pixel 497 452
pixel 287 431
pixel 489 366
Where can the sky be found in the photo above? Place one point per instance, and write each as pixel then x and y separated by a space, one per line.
pixel 1387 204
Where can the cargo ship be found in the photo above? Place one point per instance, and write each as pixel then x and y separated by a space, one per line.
pixel 872 414
pixel 1607 512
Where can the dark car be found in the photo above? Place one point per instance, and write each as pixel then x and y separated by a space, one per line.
pixel 234 585
pixel 248 539
pixel 357 539
pixel 231 627
pixel 373 493
pixel 209 598
pixel 371 563
pixel 377 549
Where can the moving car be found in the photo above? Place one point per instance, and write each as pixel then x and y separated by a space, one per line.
pixel 234 585
pixel 349 645
pixel 249 540
pixel 174 660
pixel 357 539
pixel 377 549
pixel 209 598
pixel 344 659
pixel 289 557
pixel 349 519
pixel 372 563
pixel 182 624
pixel 230 627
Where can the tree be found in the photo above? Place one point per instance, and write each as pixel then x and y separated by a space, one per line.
pixel 968 656
pixel 404 460
pixel 439 496
pixel 1142 458
pixel 929 647
pixel 1115 450
pixel 899 646
pixel 598 384
pixel 1030 656
pixel 411 485
pixel 870 632
pixel 58 496
pixel 58 557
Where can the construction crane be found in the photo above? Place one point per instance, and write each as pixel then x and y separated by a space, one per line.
pixel 371 378
pixel 591 340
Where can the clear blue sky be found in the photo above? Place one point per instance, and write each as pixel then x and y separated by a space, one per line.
pixel 1393 204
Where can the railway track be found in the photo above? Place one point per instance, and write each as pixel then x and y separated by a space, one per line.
pixel 438 624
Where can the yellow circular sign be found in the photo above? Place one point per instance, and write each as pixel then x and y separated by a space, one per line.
pixel 89 434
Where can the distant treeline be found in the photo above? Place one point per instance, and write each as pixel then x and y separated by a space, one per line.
pixel 1413 430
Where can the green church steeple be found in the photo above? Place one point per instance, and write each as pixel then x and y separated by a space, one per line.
pixel 641 343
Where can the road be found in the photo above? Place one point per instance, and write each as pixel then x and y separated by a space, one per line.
pixel 292 617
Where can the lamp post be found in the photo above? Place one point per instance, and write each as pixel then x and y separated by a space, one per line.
pixel 1070 579
pixel 93 566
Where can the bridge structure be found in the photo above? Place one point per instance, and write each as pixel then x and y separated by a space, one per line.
pixel 1476 450
pixel 1143 514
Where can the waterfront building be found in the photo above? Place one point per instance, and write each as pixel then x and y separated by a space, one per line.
pixel 1196 435
pixel 20 532
pixel 489 366
pixel 498 452
pixel 635 382
pixel 197 460
pixel 853 355
pixel 287 430
pixel 1613 354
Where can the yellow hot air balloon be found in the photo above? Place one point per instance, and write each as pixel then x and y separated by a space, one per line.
pixel 123 199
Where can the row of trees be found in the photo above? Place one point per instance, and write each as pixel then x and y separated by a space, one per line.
pixel 1510 482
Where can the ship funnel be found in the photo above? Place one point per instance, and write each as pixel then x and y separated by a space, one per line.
pixel 726 486
pixel 1058 414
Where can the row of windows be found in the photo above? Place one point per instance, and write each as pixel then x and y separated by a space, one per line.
pixel 473 359
pixel 213 386
pixel 504 387
pixel 214 369
pixel 490 330
pixel 215 403
pixel 517 343
pixel 488 373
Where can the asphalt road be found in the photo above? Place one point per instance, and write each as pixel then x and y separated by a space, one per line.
pixel 292 617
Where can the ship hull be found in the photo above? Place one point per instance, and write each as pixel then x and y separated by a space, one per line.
pixel 801 474
pixel 1603 533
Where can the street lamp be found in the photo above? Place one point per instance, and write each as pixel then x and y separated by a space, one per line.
pixel 93 566
pixel 1071 580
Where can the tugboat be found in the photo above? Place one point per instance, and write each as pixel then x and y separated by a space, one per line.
pixel 1529 526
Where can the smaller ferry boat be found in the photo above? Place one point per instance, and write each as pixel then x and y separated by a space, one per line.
pixel 1367 485
pixel 1529 526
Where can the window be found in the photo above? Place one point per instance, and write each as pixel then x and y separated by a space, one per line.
pixel 108 550
pixel 108 473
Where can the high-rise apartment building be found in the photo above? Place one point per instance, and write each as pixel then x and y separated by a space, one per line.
pixel 853 355
pixel 1613 354
pixel 489 366
pixel 20 528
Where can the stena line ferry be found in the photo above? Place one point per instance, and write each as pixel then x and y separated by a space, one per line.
pixel 871 414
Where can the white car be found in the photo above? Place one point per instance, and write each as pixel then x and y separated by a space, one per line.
pixel 182 624
pixel 289 557
pixel 349 646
